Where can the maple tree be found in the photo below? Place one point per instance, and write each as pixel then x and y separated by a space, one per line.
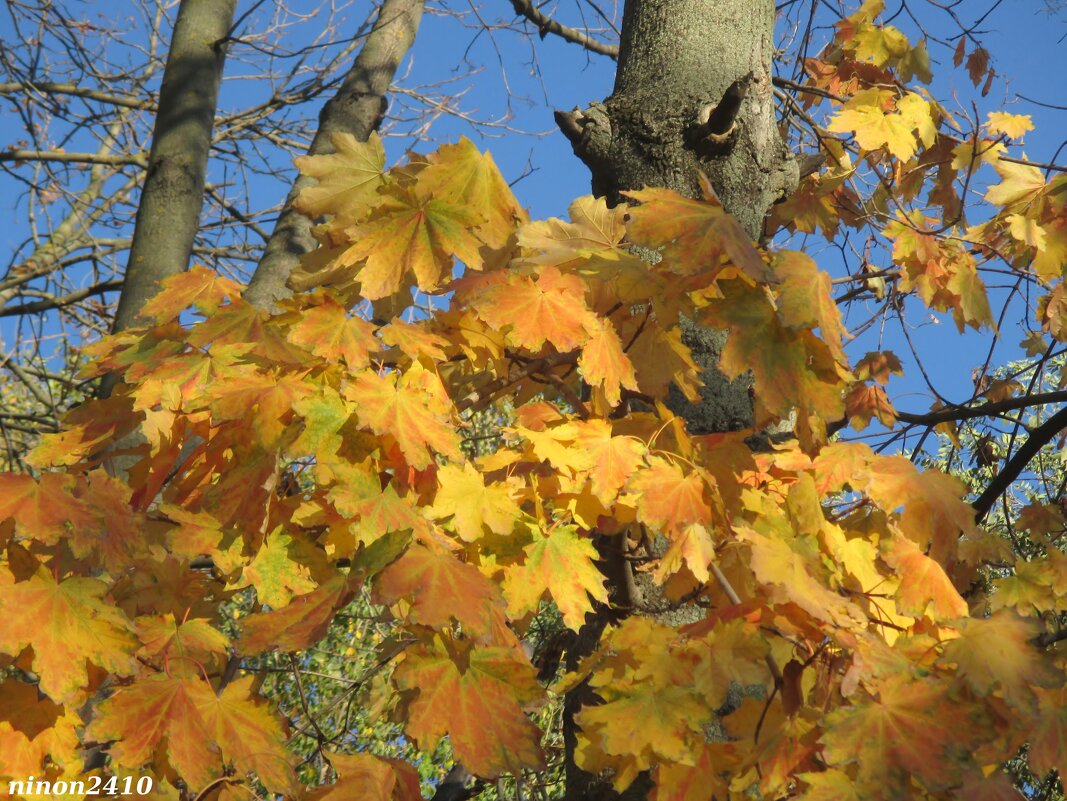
pixel 852 627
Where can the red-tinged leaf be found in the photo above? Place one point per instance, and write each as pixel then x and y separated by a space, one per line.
pixel 865 401
pixel 327 331
pixel 792 369
pixel 235 323
pixel 300 624
pixel 370 778
pixel 923 583
pixel 959 52
pixel 878 365
pixel 669 499
pixel 69 624
pixel 41 508
pixel 200 287
pixel 979 787
pixel 155 711
pixel 248 734
pixel 117 534
pixel 32 728
pixel 474 506
pixel 164 636
pixel 476 697
pixel 470 179
pixel 411 237
pixel 692 234
pixel 703 780
pixel 347 180
pixel 414 410
pixel 604 363
pixel 441 588
pixel 977 64
pixel 998 653
pixel 559 563
pixel 906 730
pixel 551 308
pixel 1048 738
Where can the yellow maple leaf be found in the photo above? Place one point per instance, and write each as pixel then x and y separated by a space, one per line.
pixel 593 230
pixel 473 506
pixel 604 363
pixel 998 652
pixel 470 179
pixel 347 180
pixel 1019 185
pixel 1013 125
pixel 559 563
pixel 869 114
pixel 409 235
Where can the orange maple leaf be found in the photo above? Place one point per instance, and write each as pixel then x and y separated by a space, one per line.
pixel 300 624
pixel 604 363
pixel 157 710
pixel 476 696
pixel 412 408
pixel 693 235
pixel 248 734
pixel 440 588
pixel 69 624
pixel 669 499
pixel 370 778
pixel 327 331
pixel 923 582
pixel 551 308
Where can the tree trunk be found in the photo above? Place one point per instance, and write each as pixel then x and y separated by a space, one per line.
pixel 357 108
pixel 692 94
pixel 168 215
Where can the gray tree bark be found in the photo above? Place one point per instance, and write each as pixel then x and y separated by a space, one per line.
pixel 169 211
pixel 357 108
pixel 692 94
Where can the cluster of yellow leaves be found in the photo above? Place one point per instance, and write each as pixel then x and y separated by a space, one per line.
pixel 312 452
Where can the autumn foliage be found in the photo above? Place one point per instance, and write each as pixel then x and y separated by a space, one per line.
pixel 845 637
